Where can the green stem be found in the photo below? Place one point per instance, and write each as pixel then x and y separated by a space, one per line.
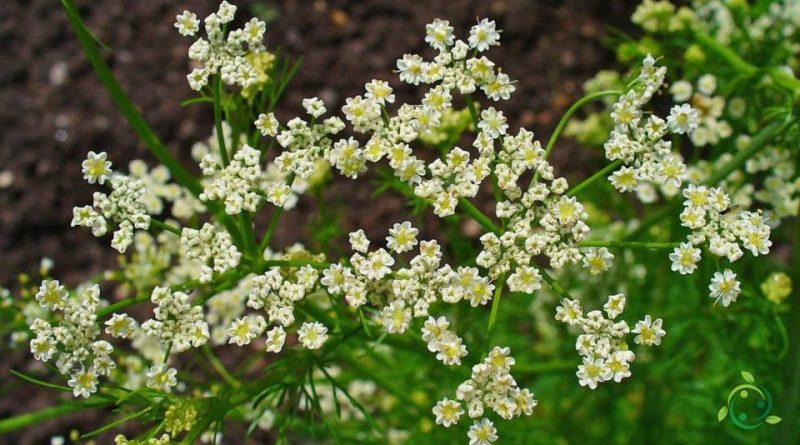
pixel 628 244
pixel 551 142
pixel 479 217
pixel 164 227
pixel 498 293
pixel 295 263
pixel 591 179
pixel 42 415
pixel 554 285
pixel 219 367
pixel 473 112
pixel 223 152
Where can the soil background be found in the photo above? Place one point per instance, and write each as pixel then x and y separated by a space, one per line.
pixel 53 110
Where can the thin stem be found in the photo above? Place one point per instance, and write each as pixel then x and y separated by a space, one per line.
pixel 591 179
pixel 551 142
pixel 219 367
pixel 628 244
pixel 498 293
pixel 37 417
pixel 295 263
pixel 223 152
pixel 554 285
pixel 473 112
pixel 479 217
pixel 164 227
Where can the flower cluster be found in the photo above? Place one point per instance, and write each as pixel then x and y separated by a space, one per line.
pixel 126 205
pixel 74 342
pixel 177 324
pixel 491 386
pixel 710 125
pixel 276 292
pixel 224 55
pixel 212 248
pixel 637 140
pixel 235 184
pixel 603 344
pixel 305 143
pixel 448 346
pixel 441 182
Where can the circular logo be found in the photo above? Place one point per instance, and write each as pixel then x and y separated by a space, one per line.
pixel 749 405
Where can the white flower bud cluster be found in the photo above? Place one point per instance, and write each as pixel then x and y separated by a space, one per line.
pixel 212 248
pixel 603 344
pixel 304 143
pixel 781 186
pixel 276 293
pixel 406 292
pixel 156 184
pixel 711 127
pixel 226 54
pixel 543 221
pixel 73 342
pixel 708 213
pixel 236 184
pixel 636 140
pixel 125 205
pixel 448 346
pixel 390 135
pixel 178 323
pixel 491 386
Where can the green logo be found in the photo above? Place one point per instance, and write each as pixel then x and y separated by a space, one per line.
pixel 749 405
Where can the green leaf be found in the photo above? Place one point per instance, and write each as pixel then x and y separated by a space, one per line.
pixel 723 412
pixel 748 377
pixel 772 420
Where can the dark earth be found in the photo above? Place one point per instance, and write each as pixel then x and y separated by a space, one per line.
pixel 54 110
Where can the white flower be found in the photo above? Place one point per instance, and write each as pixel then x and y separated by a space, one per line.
pixel 379 91
pixel 493 123
pixel 246 329
pixel 267 124
pixel 161 378
pixel 592 372
pixel 684 258
pixel 682 119
pixel 402 237
pixel 598 260
pixel 482 432
pixel 187 23
pixel 707 84
pixel 615 305
pixel 483 35
pixel 681 91
pixel 312 334
pixel 725 287
pixel 525 279
pixel 52 295
pixel 276 337
pixel 650 331
pixel 96 167
pixel 439 34
pixel 314 106
pixel 359 241
pixel 447 412
pixel 120 326
pixel 83 383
